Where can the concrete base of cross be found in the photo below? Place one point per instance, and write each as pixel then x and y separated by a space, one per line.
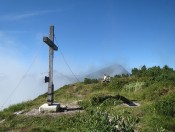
pixel 49 108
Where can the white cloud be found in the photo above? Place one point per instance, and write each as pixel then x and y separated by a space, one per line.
pixel 12 17
pixel 15 87
pixel 20 80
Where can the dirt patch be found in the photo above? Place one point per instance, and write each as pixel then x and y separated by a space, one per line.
pixel 74 87
pixel 2 121
pixel 131 104
pixel 70 108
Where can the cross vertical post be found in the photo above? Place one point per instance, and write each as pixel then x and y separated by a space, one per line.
pixel 50 84
pixel 50 42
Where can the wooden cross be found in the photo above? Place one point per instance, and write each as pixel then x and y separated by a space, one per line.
pixel 50 42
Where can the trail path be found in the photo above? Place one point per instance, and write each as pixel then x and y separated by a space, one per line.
pixel 70 108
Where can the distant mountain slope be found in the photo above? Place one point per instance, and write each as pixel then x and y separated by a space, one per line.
pixel 110 70
pixel 62 79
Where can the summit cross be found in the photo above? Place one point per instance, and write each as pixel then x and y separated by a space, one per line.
pixel 50 42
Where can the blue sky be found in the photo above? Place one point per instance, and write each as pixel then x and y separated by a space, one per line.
pixel 94 32
pixel 91 34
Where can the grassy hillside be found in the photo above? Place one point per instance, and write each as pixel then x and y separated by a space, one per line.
pixel 144 101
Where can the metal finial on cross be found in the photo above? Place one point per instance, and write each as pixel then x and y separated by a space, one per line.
pixel 50 42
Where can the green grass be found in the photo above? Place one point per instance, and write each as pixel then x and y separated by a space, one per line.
pixel 103 108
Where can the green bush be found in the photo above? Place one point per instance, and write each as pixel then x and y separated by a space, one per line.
pixel 90 81
pixel 134 86
pixel 166 106
pixel 118 83
pixel 100 121
pixel 84 104
pixel 102 100
pixel 111 102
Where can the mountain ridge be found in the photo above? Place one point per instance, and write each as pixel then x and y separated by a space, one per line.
pixel 111 70
pixel 140 102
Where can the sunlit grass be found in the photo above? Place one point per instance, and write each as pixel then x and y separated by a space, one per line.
pixel 153 114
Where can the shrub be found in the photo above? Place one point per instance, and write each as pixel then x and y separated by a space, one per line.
pixel 166 106
pixel 90 81
pixel 111 102
pixel 84 104
pixel 131 87
pixel 118 83
pixel 104 122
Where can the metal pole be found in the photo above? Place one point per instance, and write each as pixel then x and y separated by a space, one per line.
pixel 50 84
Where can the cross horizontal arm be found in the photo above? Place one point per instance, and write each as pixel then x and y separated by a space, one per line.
pixel 50 43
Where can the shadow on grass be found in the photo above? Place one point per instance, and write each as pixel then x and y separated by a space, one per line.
pixel 70 109
pixel 100 99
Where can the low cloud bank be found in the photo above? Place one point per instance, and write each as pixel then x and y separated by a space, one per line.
pixel 17 88
pixel 19 82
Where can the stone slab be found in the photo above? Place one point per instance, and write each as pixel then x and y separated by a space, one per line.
pixel 49 108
